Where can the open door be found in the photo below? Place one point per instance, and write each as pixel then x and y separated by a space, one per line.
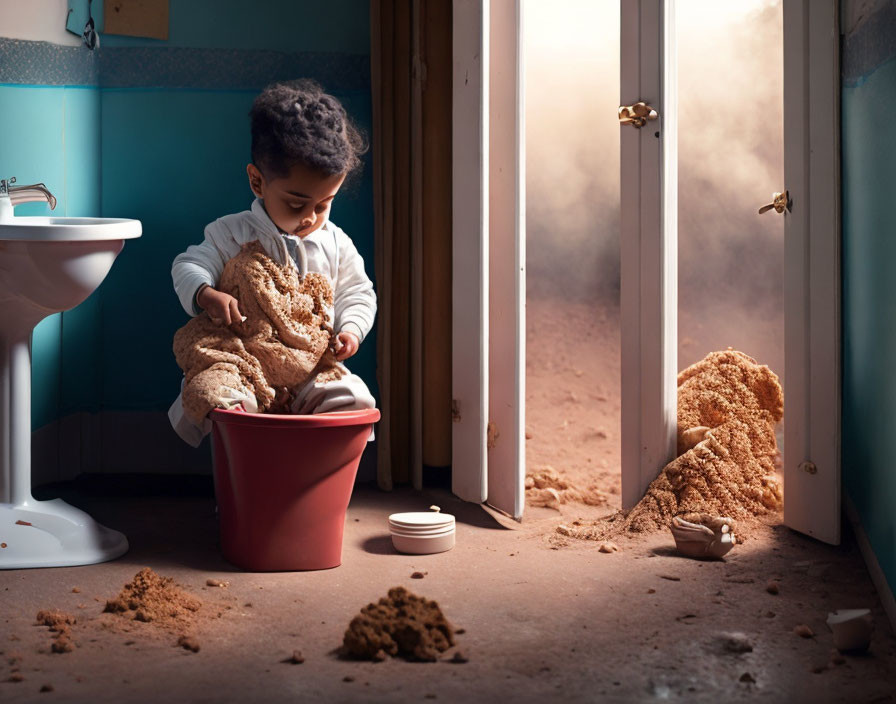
pixel 488 456
pixel 648 242
pixel 811 268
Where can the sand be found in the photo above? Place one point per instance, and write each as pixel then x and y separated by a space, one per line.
pixel 545 487
pixel 572 403
pixel 573 418
pixel 149 608
pixel 400 624
pixel 154 599
pixel 731 472
pixel 59 623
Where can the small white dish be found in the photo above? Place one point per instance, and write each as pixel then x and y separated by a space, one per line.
pixel 421 519
pixel 399 530
pixel 422 532
pixel 425 545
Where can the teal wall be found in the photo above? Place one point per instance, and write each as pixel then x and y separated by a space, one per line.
pixel 159 131
pixel 186 169
pixel 53 136
pixel 869 294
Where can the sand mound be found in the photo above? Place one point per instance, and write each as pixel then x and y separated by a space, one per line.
pixel 546 487
pixel 152 598
pixel 731 470
pixel 401 624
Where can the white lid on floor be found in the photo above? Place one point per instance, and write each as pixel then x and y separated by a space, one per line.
pixel 421 519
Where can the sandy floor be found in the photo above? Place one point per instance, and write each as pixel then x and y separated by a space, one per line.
pixel 546 618
pixel 573 389
pixel 542 624
pixel 573 392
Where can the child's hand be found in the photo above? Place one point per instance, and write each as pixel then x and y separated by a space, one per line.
pixel 221 307
pixel 345 345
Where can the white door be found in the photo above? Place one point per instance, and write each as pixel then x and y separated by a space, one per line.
pixel 811 268
pixel 648 244
pixel 488 369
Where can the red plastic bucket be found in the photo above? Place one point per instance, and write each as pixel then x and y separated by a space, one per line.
pixel 283 484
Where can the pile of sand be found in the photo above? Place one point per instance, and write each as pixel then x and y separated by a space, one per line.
pixel 731 470
pixel 151 598
pixel 59 623
pixel 546 487
pixel 401 624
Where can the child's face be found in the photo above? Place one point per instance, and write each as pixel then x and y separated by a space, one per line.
pixel 298 203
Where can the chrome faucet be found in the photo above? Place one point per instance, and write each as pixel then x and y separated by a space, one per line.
pixel 26 194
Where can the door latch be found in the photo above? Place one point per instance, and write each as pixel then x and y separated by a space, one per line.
pixel 636 115
pixel 808 467
pixel 780 202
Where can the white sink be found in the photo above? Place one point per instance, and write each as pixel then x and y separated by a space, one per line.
pixel 68 229
pixel 47 265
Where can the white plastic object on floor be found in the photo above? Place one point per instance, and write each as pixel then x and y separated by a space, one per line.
pixel 851 628
pixel 422 532
pixel 47 265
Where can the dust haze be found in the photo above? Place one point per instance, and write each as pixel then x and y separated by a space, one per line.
pixel 730 162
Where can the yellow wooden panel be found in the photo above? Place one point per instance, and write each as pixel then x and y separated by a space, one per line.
pixel 137 18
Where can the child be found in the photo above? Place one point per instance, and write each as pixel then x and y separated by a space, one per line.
pixel 303 147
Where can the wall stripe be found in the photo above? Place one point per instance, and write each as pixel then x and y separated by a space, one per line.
pixel 41 63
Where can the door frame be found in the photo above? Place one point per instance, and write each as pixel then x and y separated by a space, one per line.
pixel 470 260
pixel 811 268
pixel 505 431
pixel 649 298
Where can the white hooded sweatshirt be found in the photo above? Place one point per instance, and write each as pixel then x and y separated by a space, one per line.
pixel 327 250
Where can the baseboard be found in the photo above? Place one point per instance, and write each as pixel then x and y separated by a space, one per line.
pixel 887 600
pixel 126 442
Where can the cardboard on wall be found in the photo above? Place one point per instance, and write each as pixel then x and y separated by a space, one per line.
pixel 137 18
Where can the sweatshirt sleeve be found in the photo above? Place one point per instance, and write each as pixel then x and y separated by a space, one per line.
pixel 355 299
pixel 200 264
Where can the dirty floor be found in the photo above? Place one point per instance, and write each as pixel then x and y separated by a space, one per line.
pixel 544 620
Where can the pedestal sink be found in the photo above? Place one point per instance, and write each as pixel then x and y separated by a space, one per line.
pixel 47 265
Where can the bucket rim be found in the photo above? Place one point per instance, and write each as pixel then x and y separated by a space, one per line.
pixel 358 416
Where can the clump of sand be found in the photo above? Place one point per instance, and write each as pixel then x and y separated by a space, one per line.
pixel 400 624
pixel 59 623
pixel 151 598
pixel 546 487
pixel 731 470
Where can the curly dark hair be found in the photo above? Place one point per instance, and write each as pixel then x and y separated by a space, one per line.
pixel 295 122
